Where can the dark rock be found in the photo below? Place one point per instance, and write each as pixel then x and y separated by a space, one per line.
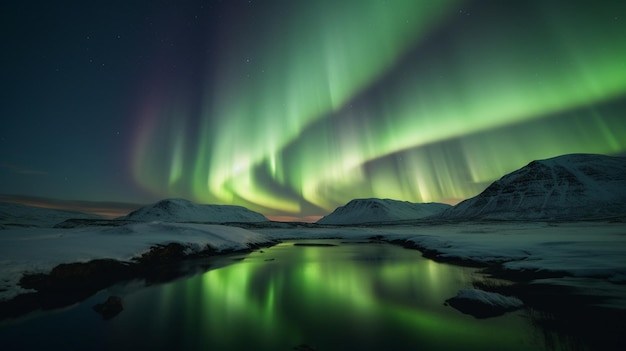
pixel 483 304
pixel 110 308
pixel 92 276
pixel 80 223
pixel 161 254
pixel 70 283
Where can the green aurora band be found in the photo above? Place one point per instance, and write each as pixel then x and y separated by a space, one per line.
pixel 414 101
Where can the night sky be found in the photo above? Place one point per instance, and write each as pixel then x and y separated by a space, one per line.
pixel 292 108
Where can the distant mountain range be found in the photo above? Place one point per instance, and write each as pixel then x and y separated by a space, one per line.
pixel 569 187
pixel 180 210
pixel 360 211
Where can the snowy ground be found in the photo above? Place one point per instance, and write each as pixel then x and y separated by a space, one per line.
pixel 592 253
pixel 38 250
pixel 587 249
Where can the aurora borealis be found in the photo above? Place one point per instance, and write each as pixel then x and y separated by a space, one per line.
pixel 292 108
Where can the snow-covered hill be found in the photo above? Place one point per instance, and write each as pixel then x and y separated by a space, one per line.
pixel 360 211
pixel 180 210
pixel 568 187
pixel 12 214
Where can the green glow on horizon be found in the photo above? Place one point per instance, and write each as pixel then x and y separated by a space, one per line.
pixel 314 109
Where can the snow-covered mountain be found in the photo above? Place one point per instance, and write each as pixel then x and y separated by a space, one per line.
pixel 180 210
pixel 360 211
pixel 568 187
pixel 12 214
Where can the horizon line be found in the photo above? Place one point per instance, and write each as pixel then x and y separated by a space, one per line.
pixel 116 209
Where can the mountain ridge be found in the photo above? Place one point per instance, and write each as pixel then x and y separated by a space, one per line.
pixel 566 187
pixel 375 210
pixel 181 210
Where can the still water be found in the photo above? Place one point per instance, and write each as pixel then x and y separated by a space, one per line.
pixel 352 296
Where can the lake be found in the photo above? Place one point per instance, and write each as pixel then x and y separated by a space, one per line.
pixel 351 296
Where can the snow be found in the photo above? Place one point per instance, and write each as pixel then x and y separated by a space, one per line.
pixel 490 298
pixel 586 249
pixel 38 250
pixel 594 251
pixel 180 210
pixel 576 186
pixel 578 251
pixel 381 210
pixel 587 255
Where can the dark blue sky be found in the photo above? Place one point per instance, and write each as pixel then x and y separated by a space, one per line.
pixel 296 107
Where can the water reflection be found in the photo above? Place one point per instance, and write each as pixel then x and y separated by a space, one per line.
pixel 347 296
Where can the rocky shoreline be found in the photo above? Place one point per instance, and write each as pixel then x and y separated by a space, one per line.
pixel 70 283
pixel 560 311
pixel 557 309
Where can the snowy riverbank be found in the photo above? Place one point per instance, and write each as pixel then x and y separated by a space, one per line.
pixel 581 255
pixel 39 250
pixel 589 257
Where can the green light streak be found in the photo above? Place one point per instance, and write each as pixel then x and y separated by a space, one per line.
pixel 494 103
pixel 315 108
pixel 290 84
pixel 176 168
pixel 474 92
